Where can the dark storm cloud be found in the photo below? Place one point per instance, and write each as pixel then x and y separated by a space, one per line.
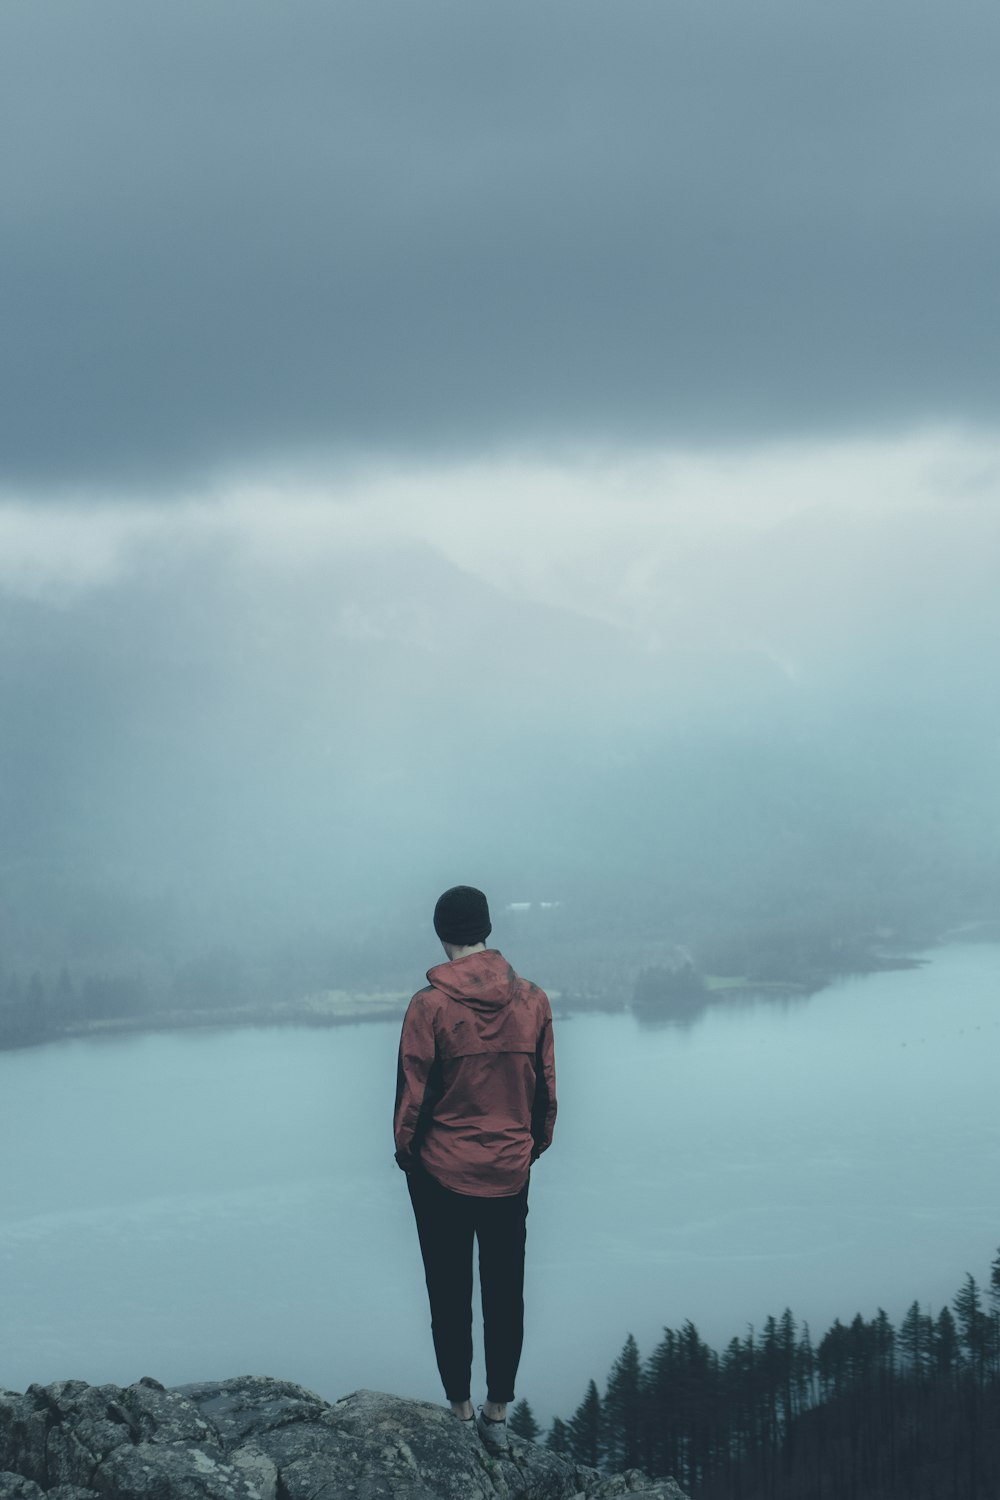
pixel 232 232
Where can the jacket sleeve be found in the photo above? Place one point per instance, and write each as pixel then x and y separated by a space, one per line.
pixel 543 1113
pixel 417 1081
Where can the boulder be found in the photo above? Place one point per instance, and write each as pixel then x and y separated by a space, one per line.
pixel 254 1438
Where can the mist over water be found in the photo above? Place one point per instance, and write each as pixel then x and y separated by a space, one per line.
pixel 231 773
pixel 549 447
pixel 211 1203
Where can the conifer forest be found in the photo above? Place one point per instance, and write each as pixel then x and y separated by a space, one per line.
pixel 867 1412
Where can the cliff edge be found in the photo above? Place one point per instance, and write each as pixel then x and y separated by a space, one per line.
pixel 254 1438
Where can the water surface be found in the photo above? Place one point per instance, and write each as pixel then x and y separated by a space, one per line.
pixel 201 1204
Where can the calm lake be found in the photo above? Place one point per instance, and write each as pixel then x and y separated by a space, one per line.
pixel 202 1204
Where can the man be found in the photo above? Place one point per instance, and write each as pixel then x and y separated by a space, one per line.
pixel 475 1106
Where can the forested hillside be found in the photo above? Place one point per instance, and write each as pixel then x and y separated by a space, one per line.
pixel 868 1411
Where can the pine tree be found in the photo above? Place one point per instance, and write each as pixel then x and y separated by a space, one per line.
pixel 945 1343
pixel 739 1395
pixel 522 1424
pixel 622 1402
pixel 832 1360
pixel 916 1340
pixel 586 1429
pixel 771 1380
pixel 558 1436
pixel 697 1403
pixel 884 1346
pixel 805 1370
pixel 787 1342
pixel 994 1315
pixel 973 1324
pixel 662 1388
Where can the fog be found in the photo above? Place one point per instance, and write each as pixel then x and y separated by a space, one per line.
pixel 214 741
pixel 552 448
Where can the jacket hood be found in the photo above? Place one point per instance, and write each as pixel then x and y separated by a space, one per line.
pixel 485 981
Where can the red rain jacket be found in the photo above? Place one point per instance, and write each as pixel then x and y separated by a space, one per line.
pixel 476 1083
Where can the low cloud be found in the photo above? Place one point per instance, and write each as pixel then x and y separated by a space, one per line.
pixel 630 538
pixel 446 233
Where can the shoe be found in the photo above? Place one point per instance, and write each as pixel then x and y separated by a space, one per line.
pixel 493 1433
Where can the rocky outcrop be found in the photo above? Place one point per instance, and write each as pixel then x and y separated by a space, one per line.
pixel 259 1439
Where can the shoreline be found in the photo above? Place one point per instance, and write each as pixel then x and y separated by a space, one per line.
pixel 310 1011
pixel 330 1008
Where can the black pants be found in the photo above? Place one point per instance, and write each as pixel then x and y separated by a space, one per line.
pixel 446 1224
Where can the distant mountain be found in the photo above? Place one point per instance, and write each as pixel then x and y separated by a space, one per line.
pixel 220 745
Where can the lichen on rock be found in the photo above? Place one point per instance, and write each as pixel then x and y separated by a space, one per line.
pixel 255 1438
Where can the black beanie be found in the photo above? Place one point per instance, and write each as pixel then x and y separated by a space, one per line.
pixel 462 917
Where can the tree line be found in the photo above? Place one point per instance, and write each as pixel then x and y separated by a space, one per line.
pixel 868 1412
pixel 36 1006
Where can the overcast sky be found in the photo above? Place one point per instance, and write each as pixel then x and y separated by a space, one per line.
pixel 678 314
pixel 405 401
pixel 239 237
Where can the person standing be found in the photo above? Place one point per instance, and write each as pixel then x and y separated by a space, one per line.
pixel 475 1107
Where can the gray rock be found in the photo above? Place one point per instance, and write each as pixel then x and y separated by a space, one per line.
pixel 16 1487
pixel 260 1471
pixel 144 1441
pixel 161 1416
pixel 66 1430
pixel 250 1404
pixel 258 1439
pixel 172 1471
